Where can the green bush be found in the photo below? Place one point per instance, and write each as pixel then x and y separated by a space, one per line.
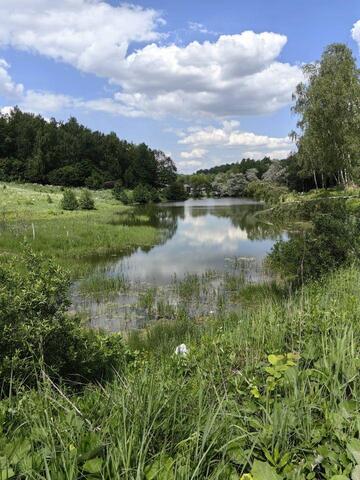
pixel 142 194
pixel 86 200
pixel 69 201
pixel 266 191
pixel 333 241
pixel 37 333
pixel 176 192
pixel 120 194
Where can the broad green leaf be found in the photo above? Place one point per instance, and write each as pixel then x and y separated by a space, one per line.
pixel 6 473
pixel 354 449
pixel 339 477
pixel 264 471
pixel 275 359
pixel 255 392
pixel 93 466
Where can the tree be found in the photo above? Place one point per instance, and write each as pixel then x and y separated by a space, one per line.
pixel 166 169
pixel 329 108
pixel 69 201
pixel 86 200
pixel 276 173
pixel 176 192
pixel 141 194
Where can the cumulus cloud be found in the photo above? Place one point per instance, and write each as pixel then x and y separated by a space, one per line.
pixel 233 75
pixel 195 153
pixel 227 143
pixel 229 136
pixel 8 87
pixel 91 35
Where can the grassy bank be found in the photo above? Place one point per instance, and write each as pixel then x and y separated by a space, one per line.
pixel 272 390
pixel 32 214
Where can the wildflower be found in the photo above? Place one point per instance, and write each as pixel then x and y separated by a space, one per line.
pixel 181 350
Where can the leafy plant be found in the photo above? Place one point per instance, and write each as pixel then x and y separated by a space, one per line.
pixel 37 334
pixel 86 200
pixel 69 200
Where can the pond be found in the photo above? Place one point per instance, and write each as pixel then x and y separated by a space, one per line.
pixel 207 246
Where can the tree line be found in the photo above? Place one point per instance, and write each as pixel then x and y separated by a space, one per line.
pixel 36 150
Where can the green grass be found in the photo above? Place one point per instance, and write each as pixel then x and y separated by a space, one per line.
pixel 231 406
pixel 74 238
pixel 99 286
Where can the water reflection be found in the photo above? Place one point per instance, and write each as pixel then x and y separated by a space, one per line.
pixel 199 236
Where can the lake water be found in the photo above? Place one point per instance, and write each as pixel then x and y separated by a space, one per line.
pixel 204 242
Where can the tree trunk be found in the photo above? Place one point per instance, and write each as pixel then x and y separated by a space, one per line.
pixel 315 180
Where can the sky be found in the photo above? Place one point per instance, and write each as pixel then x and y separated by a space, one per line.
pixel 207 82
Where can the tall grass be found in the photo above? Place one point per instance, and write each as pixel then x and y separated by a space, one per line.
pixel 74 238
pixel 225 409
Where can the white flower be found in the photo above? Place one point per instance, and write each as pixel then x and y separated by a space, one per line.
pixel 181 350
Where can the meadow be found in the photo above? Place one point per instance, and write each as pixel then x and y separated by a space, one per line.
pixel 31 214
pixel 269 392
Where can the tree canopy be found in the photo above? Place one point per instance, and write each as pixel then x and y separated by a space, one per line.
pixel 328 104
pixel 67 153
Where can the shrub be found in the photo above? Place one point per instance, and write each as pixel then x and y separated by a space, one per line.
pixel 86 200
pixel 142 194
pixel 176 192
pixel 69 201
pixel 49 199
pixel 333 241
pixel 94 181
pixel 267 191
pixel 69 175
pixel 35 330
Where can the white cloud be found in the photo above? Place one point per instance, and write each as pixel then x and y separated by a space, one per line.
pixel 227 143
pixel 355 32
pixel 40 102
pixel 228 136
pixel 8 87
pixel 201 28
pixel 91 35
pixel 234 75
pixel 195 153
pixel 273 154
pixel 188 166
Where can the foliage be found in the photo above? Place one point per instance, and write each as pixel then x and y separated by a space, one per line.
pixel 69 200
pixel 70 154
pixel 266 191
pixel 329 108
pixel 229 184
pixel 176 192
pixel 265 393
pixel 333 241
pixel 86 200
pixel 36 333
pixel 142 194
pixel 74 239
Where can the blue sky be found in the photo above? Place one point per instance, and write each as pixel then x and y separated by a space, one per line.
pixel 207 82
